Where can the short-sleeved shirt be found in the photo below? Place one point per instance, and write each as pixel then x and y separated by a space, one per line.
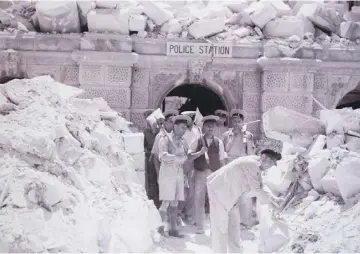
pixel 191 135
pixel 222 154
pixel 155 149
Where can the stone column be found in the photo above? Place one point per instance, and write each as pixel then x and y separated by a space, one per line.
pixel 107 75
pixel 288 82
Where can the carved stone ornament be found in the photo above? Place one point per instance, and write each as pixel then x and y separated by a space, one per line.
pixel 161 83
pixel 11 63
pixel 195 72
pixel 268 143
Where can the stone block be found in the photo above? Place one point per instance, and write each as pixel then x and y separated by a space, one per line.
pixel 350 30
pixel 242 32
pixel 133 142
pixel 282 8
pixel 326 19
pixel 296 5
pixel 139 159
pixel 172 26
pixel 205 28
pixel 329 183
pixel 318 167
pixel 137 23
pixel 215 10
pixel 108 20
pixel 355 9
pixel 84 8
pixel 157 13
pixel 261 13
pixel 347 176
pixel 60 17
pixel 91 74
pixel 106 4
pixel 117 75
pixel 317 146
pixel 284 28
pixel 352 143
pixel 351 16
pixel 341 8
pixel 238 6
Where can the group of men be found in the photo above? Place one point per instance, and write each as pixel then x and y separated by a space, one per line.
pixel 181 156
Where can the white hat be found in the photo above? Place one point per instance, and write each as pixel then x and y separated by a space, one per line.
pixel 210 118
pixel 237 112
pixel 219 112
pixel 188 113
pixel 170 112
pixel 182 118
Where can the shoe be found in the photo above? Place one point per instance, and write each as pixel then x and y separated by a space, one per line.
pixel 175 233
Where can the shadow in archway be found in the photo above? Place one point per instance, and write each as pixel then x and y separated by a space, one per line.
pixel 197 96
pixel 351 99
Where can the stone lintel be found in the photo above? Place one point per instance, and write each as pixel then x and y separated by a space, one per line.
pixel 112 58
pixel 46 57
pixel 289 64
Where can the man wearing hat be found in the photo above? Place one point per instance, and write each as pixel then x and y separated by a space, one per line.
pixel 149 138
pixel 223 119
pixel 153 179
pixel 172 155
pixel 239 143
pixel 208 154
pixel 193 133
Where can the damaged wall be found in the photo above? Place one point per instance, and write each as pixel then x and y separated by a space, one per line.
pixel 104 66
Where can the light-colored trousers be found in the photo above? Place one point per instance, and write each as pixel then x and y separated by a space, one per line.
pixel 225 228
pixel 190 195
pixel 200 195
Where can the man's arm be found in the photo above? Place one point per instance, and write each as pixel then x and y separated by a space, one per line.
pixel 222 153
pixel 164 155
pixel 192 153
pixel 250 146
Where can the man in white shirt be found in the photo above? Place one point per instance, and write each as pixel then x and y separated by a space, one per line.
pixel 226 186
pixel 208 154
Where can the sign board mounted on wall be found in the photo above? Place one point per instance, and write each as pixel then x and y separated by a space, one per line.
pixel 198 49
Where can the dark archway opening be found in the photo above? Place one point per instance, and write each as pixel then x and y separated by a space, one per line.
pixel 351 99
pixel 6 79
pixel 196 96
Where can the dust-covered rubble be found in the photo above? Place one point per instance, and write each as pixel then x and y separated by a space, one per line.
pixel 179 19
pixel 68 182
pixel 317 182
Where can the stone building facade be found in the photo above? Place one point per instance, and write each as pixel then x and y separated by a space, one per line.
pixel 135 74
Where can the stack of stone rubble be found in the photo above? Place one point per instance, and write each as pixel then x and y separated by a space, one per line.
pixel 228 20
pixel 330 145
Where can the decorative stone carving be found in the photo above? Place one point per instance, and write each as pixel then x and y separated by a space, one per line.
pixel 10 61
pixel 338 89
pixel 301 81
pixel 228 80
pixel 91 74
pixel 254 128
pixel 195 71
pixel 140 98
pixel 338 83
pixel 298 102
pixel 70 75
pixel 118 76
pixel 251 102
pixel 33 71
pixel 321 97
pixel 137 118
pixel 252 82
pixel 119 98
pixel 162 82
pixel 320 82
pixel 275 81
pixel 141 77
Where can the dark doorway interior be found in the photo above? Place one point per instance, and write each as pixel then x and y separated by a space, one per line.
pixel 350 100
pixel 198 97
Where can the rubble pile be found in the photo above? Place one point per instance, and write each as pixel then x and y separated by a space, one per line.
pixel 229 20
pixel 67 184
pixel 319 202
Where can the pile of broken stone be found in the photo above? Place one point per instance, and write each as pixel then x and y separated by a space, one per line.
pixel 324 154
pixel 233 21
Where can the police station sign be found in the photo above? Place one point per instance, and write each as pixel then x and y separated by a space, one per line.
pixel 198 49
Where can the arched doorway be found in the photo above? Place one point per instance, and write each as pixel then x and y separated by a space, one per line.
pixel 192 96
pixel 351 99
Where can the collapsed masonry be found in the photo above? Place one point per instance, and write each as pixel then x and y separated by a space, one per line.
pixel 68 183
pixel 298 22
pixel 325 154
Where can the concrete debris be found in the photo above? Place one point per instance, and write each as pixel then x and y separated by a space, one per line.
pixel 108 20
pixel 276 19
pixel 137 23
pixel 66 176
pixel 205 28
pixel 59 17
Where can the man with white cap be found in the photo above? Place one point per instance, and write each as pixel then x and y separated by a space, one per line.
pixel 223 119
pixel 168 127
pixel 172 155
pixel 238 143
pixel 208 154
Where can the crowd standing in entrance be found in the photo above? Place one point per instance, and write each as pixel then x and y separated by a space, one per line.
pixel 186 162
